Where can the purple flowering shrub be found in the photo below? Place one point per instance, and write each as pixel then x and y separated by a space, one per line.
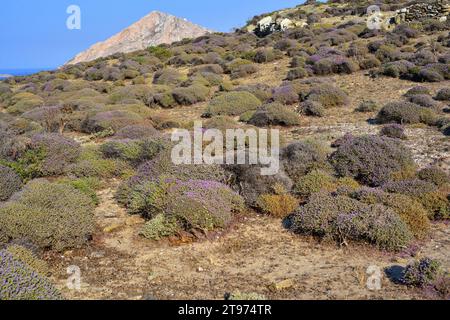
pixel 286 94
pixel 49 215
pixel 299 158
pixel 58 151
pixel 421 273
pixel 11 146
pixel 412 187
pixel 183 205
pixel 136 132
pixel 20 282
pixel 342 218
pixel 424 100
pixel 10 182
pixel 329 60
pixel 162 165
pixel 372 160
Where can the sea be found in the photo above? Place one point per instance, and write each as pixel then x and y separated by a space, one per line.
pixel 20 72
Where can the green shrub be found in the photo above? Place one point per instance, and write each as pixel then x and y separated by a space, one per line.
pixel 243 70
pixel 328 95
pixel 49 215
pixel 434 175
pixel 443 94
pixel 265 55
pixel 274 114
pixel 160 52
pixel 169 77
pixel 405 113
pixel 367 106
pixel 434 201
pixel 410 210
pixel 297 73
pixel 23 102
pixel 160 227
pixel 417 90
pixel 312 109
pixel 134 151
pixel 190 95
pixel 319 180
pixel 28 258
pixel 115 120
pixel 232 104
pixel 369 63
pixel 92 164
pixel 314 182
pixel 342 218
pixel 88 186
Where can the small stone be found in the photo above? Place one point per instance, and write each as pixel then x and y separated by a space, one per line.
pixel 282 285
pixel 200 269
pixel 97 254
pixel 112 228
pixel 68 253
pixel 110 215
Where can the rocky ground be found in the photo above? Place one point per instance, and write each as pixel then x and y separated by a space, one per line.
pixel 257 254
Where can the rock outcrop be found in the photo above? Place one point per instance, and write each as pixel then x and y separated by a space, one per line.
pixel 154 29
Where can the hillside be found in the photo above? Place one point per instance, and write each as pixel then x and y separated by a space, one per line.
pixel 154 29
pixel 86 176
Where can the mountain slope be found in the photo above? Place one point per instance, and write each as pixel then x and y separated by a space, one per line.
pixel 154 29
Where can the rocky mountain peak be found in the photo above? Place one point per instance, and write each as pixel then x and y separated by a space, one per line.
pixel 154 29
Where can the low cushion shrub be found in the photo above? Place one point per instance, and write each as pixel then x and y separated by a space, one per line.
pixel 49 215
pixel 232 104
pixel 371 160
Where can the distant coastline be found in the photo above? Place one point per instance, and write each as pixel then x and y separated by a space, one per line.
pixel 6 73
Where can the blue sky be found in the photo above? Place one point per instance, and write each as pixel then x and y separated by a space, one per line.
pixel 34 34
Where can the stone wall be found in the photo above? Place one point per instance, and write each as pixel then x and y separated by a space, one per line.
pixel 419 11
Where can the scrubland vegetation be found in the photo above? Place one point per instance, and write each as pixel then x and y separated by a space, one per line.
pixel 66 134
